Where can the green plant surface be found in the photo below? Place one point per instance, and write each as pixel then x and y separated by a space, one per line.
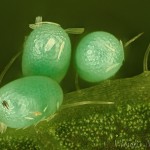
pixel 79 125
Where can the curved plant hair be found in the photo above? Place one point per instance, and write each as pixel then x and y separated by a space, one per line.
pixel 145 61
pixel 10 63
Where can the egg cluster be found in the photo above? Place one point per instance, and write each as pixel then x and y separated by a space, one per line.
pixel 45 61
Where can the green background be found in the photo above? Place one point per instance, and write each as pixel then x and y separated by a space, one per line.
pixel 124 19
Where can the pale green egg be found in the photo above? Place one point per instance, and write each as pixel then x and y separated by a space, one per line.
pixel 99 55
pixel 27 101
pixel 47 52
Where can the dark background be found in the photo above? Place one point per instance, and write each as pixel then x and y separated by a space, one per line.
pixel 123 18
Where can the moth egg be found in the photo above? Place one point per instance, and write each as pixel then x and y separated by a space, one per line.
pixel 29 100
pixel 99 55
pixel 47 52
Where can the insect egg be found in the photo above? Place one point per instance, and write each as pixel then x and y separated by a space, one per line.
pixel 47 52
pixel 99 55
pixel 27 99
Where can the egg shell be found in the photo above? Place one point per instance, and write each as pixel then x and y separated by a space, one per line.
pixel 29 100
pixel 99 55
pixel 47 52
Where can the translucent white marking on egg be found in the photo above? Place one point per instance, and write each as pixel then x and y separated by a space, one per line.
pixel 61 49
pixel 36 47
pixel 38 19
pixel 45 108
pixel 121 43
pixel 39 22
pixel 111 67
pixel 3 127
pixel 109 46
pixel 49 45
pixel 28 118
pixel 75 30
